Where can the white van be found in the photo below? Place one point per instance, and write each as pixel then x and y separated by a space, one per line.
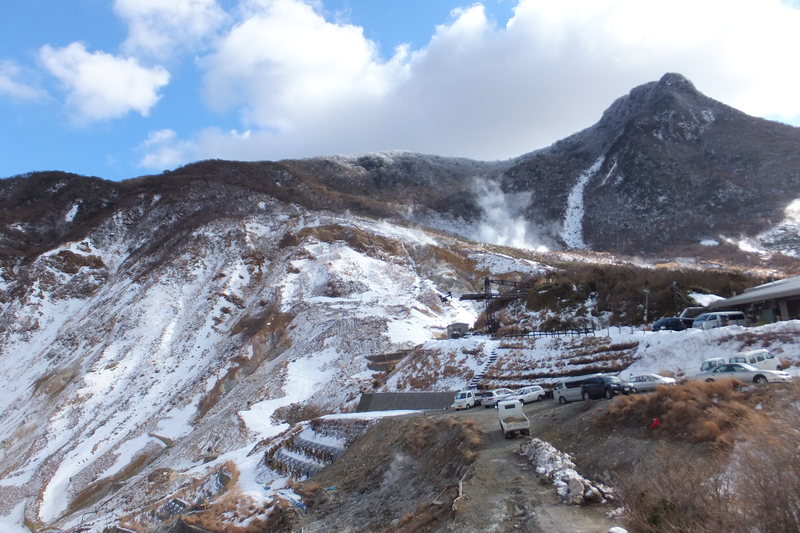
pixel 719 319
pixel 762 359
pixel 464 399
pixel 710 364
pixel 569 389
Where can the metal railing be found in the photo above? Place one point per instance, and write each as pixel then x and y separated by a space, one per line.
pixel 577 332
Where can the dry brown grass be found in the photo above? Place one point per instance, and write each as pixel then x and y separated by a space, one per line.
pixel 232 506
pixel 750 340
pixel 374 245
pixel 419 437
pixel 298 412
pixel 101 488
pixel 695 411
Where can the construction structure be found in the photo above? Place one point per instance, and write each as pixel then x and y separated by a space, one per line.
pixel 770 302
pixel 517 290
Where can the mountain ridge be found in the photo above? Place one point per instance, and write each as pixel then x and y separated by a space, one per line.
pixel 661 144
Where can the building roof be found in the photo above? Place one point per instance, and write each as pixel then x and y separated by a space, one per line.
pixel 775 290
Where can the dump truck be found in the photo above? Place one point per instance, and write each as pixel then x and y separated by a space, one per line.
pixel 512 419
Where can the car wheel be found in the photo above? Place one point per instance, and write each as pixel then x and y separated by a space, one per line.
pixel 759 379
pixel 509 434
pixel 526 432
pixel 540 398
pixel 584 396
pixel 608 394
pixel 562 400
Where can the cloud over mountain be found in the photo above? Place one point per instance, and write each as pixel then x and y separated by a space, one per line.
pixel 304 85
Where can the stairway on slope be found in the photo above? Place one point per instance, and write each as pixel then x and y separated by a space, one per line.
pixel 476 381
pixel 313 445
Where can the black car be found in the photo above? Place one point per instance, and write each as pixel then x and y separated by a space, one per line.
pixel 605 387
pixel 674 323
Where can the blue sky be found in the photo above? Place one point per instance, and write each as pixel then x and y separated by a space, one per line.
pixel 122 88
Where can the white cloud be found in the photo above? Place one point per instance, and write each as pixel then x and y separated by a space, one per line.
pixel 163 150
pixel 159 137
pixel 307 86
pixel 284 63
pixel 101 86
pixel 159 28
pixel 12 84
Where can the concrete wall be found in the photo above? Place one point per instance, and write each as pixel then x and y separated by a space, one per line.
pixel 392 401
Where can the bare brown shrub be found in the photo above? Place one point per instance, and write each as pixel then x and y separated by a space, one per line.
pixel 766 469
pixel 753 486
pixel 617 289
pixel 666 494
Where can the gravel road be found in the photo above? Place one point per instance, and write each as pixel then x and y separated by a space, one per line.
pixel 503 492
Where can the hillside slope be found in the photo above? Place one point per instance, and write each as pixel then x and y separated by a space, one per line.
pixel 165 328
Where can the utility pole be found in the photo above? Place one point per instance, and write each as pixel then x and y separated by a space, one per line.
pixel 646 303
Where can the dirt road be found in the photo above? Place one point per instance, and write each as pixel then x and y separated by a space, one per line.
pixel 503 493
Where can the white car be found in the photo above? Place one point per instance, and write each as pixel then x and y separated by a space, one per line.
pixel 497 395
pixel 746 373
pixel 534 393
pixel 648 382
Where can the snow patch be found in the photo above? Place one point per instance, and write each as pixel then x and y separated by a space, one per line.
pixel 572 233
pixel 609 174
pixel 704 299
pixel 502 264
pixel 559 468
pixel 709 242
pixel 70 216
pixel 12 522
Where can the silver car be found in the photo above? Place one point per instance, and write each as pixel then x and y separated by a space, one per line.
pixel 497 395
pixel 746 373
pixel 648 382
pixel 534 393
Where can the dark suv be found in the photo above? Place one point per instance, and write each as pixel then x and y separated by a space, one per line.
pixel 675 323
pixel 605 387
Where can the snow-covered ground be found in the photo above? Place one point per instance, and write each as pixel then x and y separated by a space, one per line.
pixel 450 364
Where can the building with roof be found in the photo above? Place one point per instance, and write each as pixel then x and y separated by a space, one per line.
pixel 777 300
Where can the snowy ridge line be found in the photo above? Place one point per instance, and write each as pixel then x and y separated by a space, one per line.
pixel 572 233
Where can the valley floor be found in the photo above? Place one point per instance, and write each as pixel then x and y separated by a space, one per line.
pixel 501 490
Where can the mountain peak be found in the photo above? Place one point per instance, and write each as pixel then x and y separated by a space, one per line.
pixel 677 81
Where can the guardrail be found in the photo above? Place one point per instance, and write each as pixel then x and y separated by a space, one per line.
pixel 554 333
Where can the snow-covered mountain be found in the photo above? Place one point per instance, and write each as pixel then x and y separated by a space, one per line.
pixel 159 336
pixel 176 325
pixel 666 168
